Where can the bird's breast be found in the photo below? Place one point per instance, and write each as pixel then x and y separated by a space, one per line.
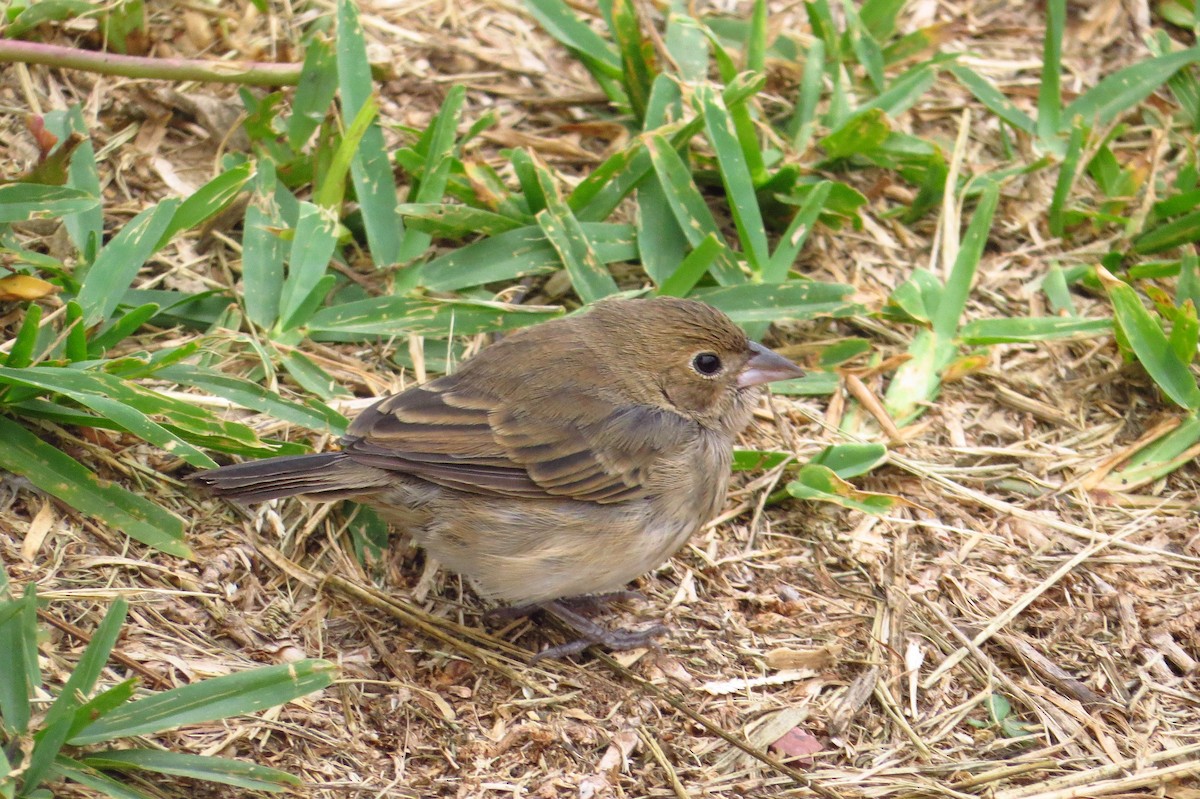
pixel 691 485
pixel 522 550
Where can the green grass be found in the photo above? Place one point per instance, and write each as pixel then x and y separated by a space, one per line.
pixel 58 744
pixel 714 195
pixel 691 137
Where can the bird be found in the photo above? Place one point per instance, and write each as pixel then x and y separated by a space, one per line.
pixel 558 464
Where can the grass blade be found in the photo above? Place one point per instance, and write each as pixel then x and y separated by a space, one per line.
pixel 822 484
pixel 401 316
pixel 435 173
pixel 65 478
pixel 222 770
pixel 1100 105
pixel 24 201
pixel 331 189
pixel 691 269
pixel 210 700
pixel 1038 328
pixel 520 253
pixel 207 201
pixel 918 380
pixel 248 394
pixel 686 43
pixel 114 269
pixel 371 170
pixel 992 98
pixel 18 656
pixel 637 56
pixel 954 298
pixel 770 302
pixel 598 195
pixel 312 247
pixel 1188 286
pixel 792 241
pixel 691 212
pixel 101 783
pixel 866 49
pixel 904 92
pixel 589 276
pixel 24 345
pixel 91 663
pixel 315 91
pixel 732 162
pixel 1067 172
pixel 456 221
pixel 559 22
pixel 851 460
pixel 755 46
pixel 262 263
pixel 86 228
pixel 1159 458
pixel 1054 285
pixel 1184 230
pixel 127 417
pixel 58 721
pixel 804 119
pixel 879 17
pixel 1150 344
pixel 1050 91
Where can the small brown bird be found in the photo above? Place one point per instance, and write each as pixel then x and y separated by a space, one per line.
pixel 561 462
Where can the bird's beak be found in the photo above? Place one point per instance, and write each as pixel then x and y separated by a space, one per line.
pixel 766 367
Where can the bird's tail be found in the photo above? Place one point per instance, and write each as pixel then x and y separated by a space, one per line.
pixel 325 476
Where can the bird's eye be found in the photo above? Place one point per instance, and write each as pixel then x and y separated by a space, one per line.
pixel 707 363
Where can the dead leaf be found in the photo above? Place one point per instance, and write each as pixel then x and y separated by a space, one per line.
pixel 820 658
pixel 723 687
pixel 44 138
pixel 1182 792
pixel 967 365
pixel 761 733
pixel 797 743
pixel 51 166
pixel 857 694
pixel 43 522
pixel 25 287
pixel 615 759
pixel 198 30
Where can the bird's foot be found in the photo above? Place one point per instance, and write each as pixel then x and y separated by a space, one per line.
pixel 591 633
pixel 588 604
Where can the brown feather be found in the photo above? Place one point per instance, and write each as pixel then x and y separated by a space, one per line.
pixel 565 459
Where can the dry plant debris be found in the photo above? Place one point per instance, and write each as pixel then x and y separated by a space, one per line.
pixel 866 652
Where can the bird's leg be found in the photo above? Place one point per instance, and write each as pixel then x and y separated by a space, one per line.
pixel 589 604
pixel 592 633
pixel 574 611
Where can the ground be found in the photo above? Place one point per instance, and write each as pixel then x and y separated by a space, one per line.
pixel 871 646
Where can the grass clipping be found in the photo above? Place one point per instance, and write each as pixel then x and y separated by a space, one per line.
pixel 1009 634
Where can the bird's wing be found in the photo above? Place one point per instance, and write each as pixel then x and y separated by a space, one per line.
pixel 578 446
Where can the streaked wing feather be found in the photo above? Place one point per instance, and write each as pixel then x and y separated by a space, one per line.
pixel 444 433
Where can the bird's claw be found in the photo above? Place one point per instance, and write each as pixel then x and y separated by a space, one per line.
pixel 591 633
pixel 589 604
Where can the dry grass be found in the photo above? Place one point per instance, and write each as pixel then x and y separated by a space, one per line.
pixel 1016 572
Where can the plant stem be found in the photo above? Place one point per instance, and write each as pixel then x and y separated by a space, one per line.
pixel 248 73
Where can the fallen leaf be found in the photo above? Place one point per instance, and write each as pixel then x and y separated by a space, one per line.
pixel 44 138
pixel 24 287
pixel 797 743
pixel 760 733
pixel 722 687
pixel 614 760
pixel 821 658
